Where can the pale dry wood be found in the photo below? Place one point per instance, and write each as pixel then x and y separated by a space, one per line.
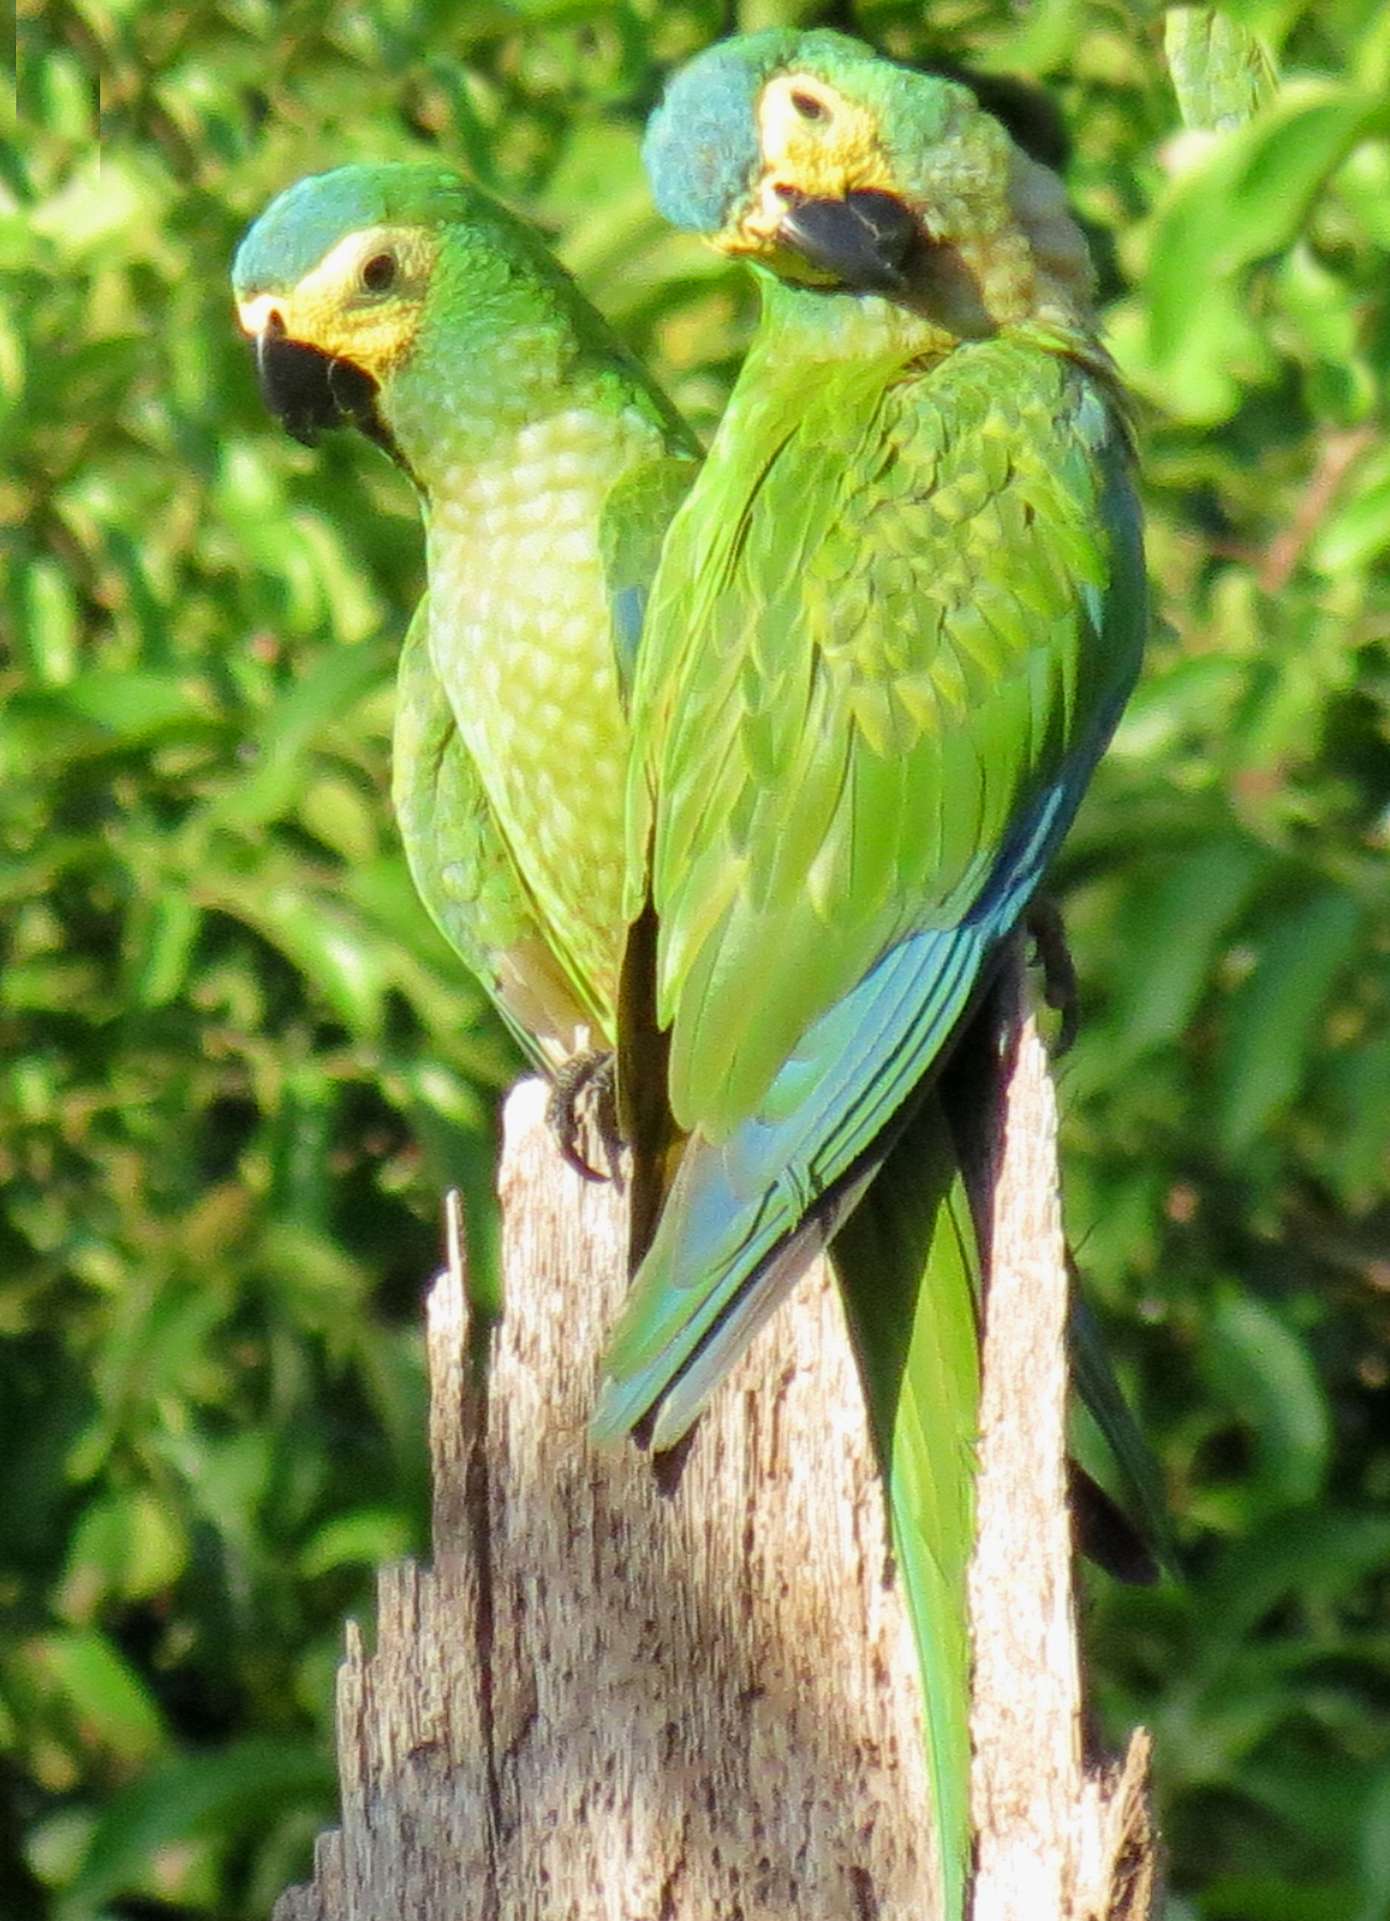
pixel 613 1699
pixel 606 1700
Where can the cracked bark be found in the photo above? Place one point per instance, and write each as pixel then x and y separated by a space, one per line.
pixel 612 1699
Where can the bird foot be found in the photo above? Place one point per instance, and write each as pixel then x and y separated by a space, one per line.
pixel 583 1102
pixel 1044 922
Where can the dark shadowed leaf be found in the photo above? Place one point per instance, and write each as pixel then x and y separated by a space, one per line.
pixel 1265 1376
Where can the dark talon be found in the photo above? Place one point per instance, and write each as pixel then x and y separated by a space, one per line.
pixel 1044 923
pixel 585 1079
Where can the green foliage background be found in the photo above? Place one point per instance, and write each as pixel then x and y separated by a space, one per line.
pixel 237 1066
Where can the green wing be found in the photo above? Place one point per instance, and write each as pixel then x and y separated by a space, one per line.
pixel 887 632
pixel 859 775
pixel 461 866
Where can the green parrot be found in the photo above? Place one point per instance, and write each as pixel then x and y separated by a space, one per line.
pixel 893 627
pixel 402 300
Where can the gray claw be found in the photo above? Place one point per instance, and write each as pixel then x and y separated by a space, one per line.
pixel 585 1081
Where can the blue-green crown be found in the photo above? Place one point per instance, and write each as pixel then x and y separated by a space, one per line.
pixel 701 145
pixel 701 149
pixel 309 219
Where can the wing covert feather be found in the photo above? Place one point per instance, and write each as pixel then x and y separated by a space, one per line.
pixel 880 671
pixel 461 865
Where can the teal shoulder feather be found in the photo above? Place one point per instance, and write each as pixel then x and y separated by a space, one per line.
pixel 636 515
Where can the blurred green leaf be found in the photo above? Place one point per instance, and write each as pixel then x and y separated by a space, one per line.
pixel 1375 1850
pixel 100 1692
pixel 1314 1553
pixel 49 620
pixel 1277 1013
pixel 370 1537
pixel 1268 1897
pixel 1264 1374
pixel 160 940
pixel 278 769
pixel 1188 910
pixel 188 1796
pixel 130 707
pixel 330 949
pixel 1245 200
pixel 1358 530
pixel 127 1546
pixel 1287 160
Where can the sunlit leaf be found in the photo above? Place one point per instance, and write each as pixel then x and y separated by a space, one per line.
pixel 370 1536
pixel 1221 72
pixel 128 1546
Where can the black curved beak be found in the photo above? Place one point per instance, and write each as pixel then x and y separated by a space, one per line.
pixel 863 239
pixel 308 390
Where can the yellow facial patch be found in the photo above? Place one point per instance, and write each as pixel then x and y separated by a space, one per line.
pixel 815 144
pixel 337 308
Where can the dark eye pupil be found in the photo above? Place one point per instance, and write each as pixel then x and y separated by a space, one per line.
pixel 808 106
pixel 379 272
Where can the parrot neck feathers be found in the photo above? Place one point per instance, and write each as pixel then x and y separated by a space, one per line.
pixel 1028 267
pixel 489 369
pixel 807 324
pixel 1062 276
pixel 1031 275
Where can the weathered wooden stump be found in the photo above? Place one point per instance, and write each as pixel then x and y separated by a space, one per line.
pixel 610 1698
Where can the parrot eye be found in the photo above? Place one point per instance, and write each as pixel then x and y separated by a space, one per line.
pixel 808 106
pixel 379 273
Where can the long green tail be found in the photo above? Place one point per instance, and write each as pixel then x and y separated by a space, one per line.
pixel 909 1267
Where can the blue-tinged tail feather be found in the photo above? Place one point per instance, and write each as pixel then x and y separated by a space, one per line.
pixel 732 1226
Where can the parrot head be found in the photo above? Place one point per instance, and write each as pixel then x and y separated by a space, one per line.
pixel 330 285
pixel 834 167
pixel 343 285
